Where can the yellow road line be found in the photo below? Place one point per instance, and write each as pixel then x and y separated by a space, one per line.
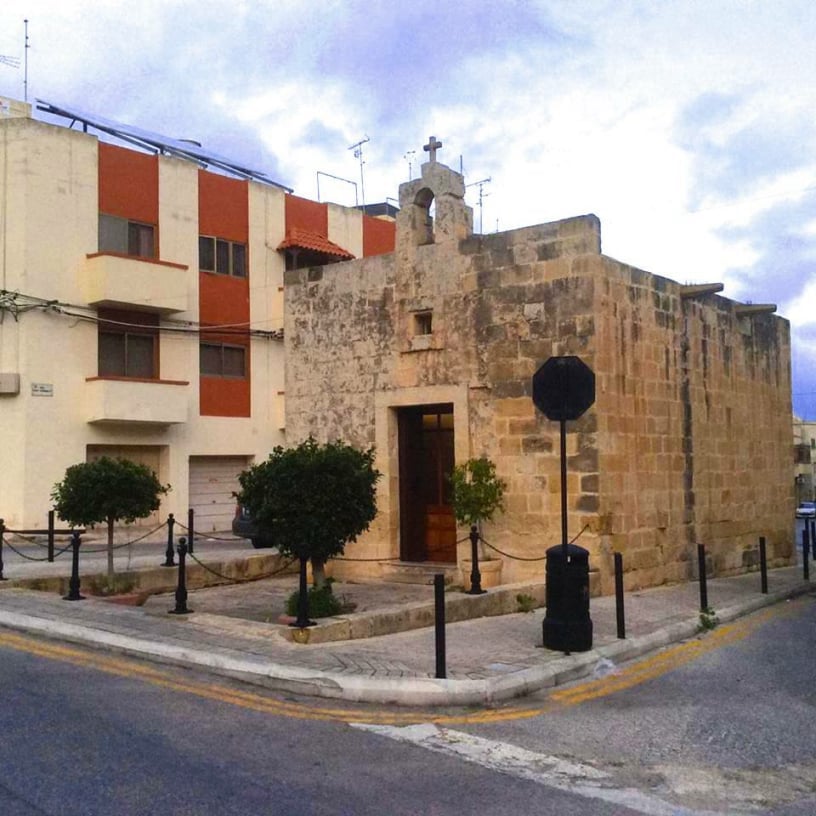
pixel 632 675
pixel 663 662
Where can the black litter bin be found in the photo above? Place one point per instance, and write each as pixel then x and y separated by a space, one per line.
pixel 567 625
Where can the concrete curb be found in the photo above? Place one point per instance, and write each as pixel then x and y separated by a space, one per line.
pixel 415 691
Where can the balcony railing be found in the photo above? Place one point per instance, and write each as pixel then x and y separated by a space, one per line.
pixel 120 281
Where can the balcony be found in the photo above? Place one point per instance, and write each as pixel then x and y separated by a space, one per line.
pixel 124 282
pixel 135 402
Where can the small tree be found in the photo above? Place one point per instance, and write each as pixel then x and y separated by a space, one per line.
pixel 107 490
pixel 476 492
pixel 311 500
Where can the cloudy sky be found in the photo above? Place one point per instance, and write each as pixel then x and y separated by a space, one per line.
pixel 687 126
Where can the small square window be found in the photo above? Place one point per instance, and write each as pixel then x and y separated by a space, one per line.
pixel 423 323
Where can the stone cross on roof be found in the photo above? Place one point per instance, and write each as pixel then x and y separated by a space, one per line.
pixel 431 148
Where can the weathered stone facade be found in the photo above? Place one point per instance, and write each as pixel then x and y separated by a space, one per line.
pixel 689 437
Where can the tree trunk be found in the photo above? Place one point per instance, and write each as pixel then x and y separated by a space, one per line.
pixel 110 549
pixel 318 573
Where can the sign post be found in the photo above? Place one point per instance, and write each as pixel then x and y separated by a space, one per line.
pixel 563 389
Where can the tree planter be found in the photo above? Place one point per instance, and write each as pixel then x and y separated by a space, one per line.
pixel 490 569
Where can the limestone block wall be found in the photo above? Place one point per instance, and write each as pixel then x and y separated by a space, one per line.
pixel 688 440
pixel 691 407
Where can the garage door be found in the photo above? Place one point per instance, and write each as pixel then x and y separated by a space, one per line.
pixel 149 455
pixel 213 480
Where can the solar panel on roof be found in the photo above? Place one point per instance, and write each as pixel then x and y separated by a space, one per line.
pixel 157 142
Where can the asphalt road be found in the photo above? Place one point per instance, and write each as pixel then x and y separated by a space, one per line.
pixel 78 740
pixel 720 725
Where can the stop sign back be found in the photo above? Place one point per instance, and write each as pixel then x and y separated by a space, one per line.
pixel 563 388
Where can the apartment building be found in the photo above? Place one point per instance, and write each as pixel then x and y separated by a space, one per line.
pixel 141 307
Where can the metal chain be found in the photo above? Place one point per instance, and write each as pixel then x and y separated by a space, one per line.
pixel 202 536
pixel 128 543
pixel 522 558
pixel 28 557
pixel 233 580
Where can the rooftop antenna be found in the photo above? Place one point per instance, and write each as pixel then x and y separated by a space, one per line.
pixel 482 195
pixel 357 147
pixel 338 178
pixel 409 156
pixel 12 62
pixel 25 61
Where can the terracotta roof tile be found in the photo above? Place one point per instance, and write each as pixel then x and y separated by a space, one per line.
pixel 306 239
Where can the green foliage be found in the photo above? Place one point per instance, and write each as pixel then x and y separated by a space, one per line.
pixel 313 499
pixel 526 603
pixel 107 490
pixel 708 620
pixel 323 603
pixel 476 492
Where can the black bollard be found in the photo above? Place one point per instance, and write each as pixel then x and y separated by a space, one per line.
pixel 475 575
pixel 50 536
pixel 168 555
pixel 619 610
pixel 763 565
pixel 439 624
pixel 73 584
pixel 806 553
pixel 701 568
pixel 303 600
pixel 191 528
pixel 812 523
pixel 2 533
pixel 181 589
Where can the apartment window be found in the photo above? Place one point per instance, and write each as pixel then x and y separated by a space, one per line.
pixel 126 237
pixel 222 360
pixel 221 256
pixel 128 345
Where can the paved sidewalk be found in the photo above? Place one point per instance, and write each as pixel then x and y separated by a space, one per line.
pixel 232 631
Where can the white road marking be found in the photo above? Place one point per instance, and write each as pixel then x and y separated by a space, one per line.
pixel 571 777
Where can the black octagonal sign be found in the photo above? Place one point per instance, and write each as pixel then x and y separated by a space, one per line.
pixel 563 388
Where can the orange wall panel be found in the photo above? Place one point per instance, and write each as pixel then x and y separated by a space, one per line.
pixel 222 299
pixel 308 215
pixel 128 184
pixel 223 207
pixel 379 236
pixel 220 396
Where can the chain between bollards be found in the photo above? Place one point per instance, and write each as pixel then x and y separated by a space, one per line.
pixel 701 569
pixel 73 583
pixel 168 555
pixel 439 624
pixel 181 589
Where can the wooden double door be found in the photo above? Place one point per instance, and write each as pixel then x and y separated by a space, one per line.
pixel 426 459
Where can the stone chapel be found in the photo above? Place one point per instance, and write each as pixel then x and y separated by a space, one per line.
pixel 428 354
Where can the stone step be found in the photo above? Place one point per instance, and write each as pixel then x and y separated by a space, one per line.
pixel 422 572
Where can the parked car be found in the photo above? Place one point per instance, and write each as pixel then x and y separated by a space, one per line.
pixel 245 527
pixel 806 509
